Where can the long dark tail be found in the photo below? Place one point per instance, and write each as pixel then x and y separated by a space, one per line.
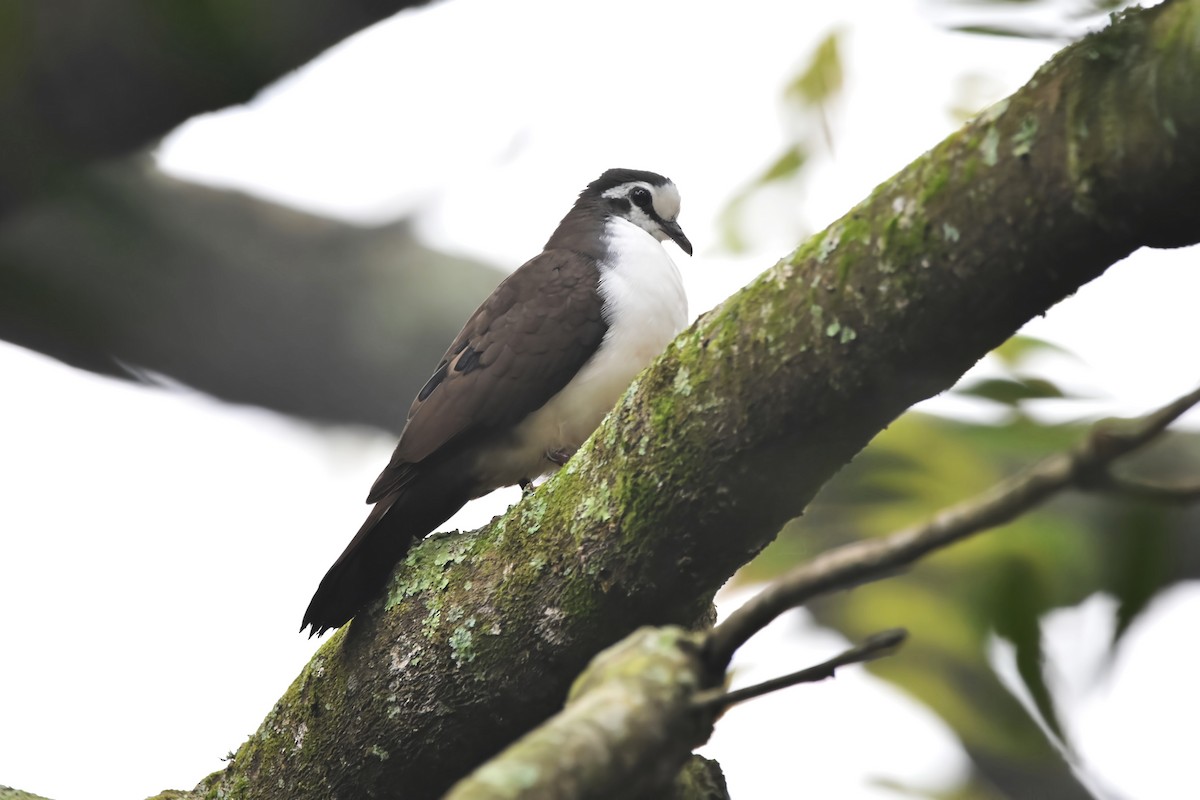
pixel 394 524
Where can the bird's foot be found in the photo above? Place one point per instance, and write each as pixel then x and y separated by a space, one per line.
pixel 526 487
pixel 560 456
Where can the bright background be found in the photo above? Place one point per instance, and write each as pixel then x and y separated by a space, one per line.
pixel 159 547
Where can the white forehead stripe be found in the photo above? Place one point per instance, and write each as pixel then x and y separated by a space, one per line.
pixel 665 197
pixel 625 188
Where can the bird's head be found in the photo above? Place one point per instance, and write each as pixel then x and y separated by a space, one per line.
pixel 646 199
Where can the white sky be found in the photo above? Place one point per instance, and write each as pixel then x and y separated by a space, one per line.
pixel 162 545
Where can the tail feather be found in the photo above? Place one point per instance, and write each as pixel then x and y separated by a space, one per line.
pixel 394 524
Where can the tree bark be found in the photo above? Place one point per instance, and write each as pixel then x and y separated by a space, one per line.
pixel 626 731
pixel 749 412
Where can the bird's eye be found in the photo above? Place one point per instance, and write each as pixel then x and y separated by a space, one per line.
pixel 641 196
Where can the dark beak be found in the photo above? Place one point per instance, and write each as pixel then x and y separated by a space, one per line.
pixel 673 230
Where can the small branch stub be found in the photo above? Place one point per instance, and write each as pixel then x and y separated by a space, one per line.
pixel 880 645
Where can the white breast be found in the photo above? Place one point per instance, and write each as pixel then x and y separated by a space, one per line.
pixel 645 307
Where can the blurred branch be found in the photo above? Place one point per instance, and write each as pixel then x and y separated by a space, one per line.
pixel 866 560
pixel 1177 493
pixel 110 267
pixel 82 81
pixel 140 275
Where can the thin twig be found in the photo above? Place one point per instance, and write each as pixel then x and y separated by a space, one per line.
pixel 1152 491
pixel 881 644
pixel 852 564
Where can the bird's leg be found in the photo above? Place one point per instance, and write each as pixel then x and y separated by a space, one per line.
pixel 526 487
pixel 559 456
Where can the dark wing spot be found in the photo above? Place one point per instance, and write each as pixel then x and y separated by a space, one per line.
pixel 468 361
pixel 433 381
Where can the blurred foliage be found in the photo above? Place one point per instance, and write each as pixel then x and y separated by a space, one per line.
pixel 811 94
pixel 1000 583
pixel 1010 391
pixel 822 80
pixel 807 100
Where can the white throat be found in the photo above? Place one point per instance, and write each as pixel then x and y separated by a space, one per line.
pixel 645 308
pixel 644 302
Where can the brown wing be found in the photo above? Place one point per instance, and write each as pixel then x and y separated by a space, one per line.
pixel 517 350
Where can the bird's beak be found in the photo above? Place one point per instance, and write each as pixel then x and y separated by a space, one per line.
pixel 673 230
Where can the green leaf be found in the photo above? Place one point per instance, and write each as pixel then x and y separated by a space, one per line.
pixel 787 165
pixel 1029 31
pixel 1014 352
pixel 1141 562
pixel 1019 603
pixel 729 224
pixel 1011 391
pixel 823 78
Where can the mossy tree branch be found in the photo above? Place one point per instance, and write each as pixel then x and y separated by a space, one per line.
pixel 738 425
pixel 626 731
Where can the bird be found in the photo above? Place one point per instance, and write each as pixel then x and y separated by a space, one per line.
pixel 530 376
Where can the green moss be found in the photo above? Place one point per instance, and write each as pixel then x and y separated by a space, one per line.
pixel 462 642
pixel 1114 42
pixel 843 333
pixel 432 621
pixel 856 231
pixel 286 735
pixel 596 505
pixel 970 167
pixel 682 384
pixel 829 242
pixel 936 181
pixel 807 250
pixel 949 232
pixel 1024 137
pixel 662 413
pixel 903 245
pixel 424 567
pixel 990 148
